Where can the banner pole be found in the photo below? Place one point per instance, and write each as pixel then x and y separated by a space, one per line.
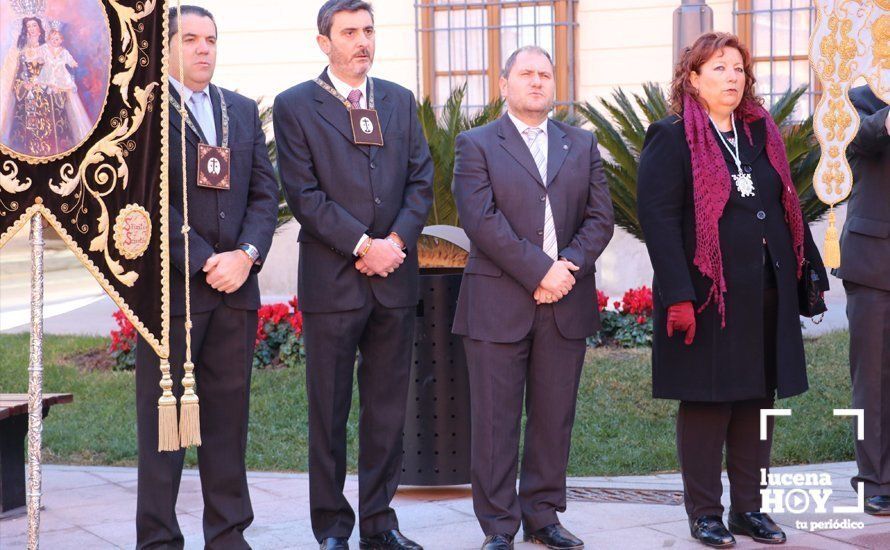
pixel 35 383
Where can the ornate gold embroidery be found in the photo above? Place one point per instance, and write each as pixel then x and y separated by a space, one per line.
pixel 116 145
pixel 105 179
pixel 880 37
pixel 132 231
pixel 10 183
pixel 837 119
pixel 133 51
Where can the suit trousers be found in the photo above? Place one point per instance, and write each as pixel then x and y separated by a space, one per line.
pixel 222 349
pixel 868 312
pixel 545 369
pixel 384 338
pixel 702 430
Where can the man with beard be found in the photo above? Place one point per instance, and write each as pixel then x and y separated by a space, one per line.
pixel 358 175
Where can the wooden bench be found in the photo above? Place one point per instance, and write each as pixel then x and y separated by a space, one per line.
pixel 13 433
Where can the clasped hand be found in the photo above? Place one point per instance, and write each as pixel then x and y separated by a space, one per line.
pixel 556 283
pixel 382 258
pixel 227 271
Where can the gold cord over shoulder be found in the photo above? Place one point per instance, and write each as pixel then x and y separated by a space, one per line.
pixel 189 419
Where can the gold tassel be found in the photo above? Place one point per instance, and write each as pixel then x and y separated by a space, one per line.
pixel 168 436
pixel 832 253
pixel 190 418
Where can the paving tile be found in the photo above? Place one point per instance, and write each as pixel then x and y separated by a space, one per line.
pixel 876 535
pixel 73 538
pixel 90 507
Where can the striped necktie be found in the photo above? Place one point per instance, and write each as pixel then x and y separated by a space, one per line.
pixel 355 98
pixel 534 138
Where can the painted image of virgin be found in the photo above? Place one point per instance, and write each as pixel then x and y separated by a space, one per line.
pixel 41 113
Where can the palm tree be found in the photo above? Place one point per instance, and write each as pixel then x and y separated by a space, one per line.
pixel 621 132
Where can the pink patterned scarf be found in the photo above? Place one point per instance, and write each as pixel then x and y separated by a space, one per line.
pixel 712 183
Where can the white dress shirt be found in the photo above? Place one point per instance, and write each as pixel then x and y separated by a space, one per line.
pixel 344 89
pixel 521 126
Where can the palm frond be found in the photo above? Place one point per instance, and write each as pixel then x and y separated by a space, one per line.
pixel 621 132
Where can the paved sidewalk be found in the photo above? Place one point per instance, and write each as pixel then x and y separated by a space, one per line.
pixel 93 507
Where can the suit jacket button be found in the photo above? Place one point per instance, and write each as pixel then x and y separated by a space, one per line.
pixel 216 247
pixel 543 198
pixel 540 231
pixel 222 215
pixel 373 166
pixel 377 200
pixel 777 264
pixel 761 215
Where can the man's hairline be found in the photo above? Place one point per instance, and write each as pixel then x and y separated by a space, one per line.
pixel 334 18
pixel 184 15
pixel 535 52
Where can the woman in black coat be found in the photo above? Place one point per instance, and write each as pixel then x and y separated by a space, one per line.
pixel 726 238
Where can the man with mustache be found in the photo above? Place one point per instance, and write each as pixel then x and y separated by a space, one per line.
pixel 358 175
pixel 865 255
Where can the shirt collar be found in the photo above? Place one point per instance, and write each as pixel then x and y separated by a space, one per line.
pixel 186 93
pixel 344 88
pixel 521 126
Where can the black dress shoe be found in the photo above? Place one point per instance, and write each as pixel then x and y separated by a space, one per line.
pixel 388 540
pixel 878 505
pixel 710 531
pixel 334 543
pixel 554 536
pixel 756 525
pixel 498 542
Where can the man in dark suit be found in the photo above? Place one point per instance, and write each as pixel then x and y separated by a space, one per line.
pixel 865 264
pixel 231 232
pixel 362 208
pixel 532 197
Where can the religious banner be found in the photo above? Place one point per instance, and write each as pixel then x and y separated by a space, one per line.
pixel 851 39
pixel 83 109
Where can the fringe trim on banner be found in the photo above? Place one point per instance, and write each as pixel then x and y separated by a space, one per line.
pixel 168 435
pixel 189 418
pixel 832 251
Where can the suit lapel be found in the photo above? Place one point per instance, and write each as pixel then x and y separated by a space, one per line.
pixel 513 143
pixel 384 113
pixel 176 121
pixel 335 113
pixel 557 150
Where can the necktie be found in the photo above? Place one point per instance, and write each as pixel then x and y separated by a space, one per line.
pixel 204 116
pixel 536 144
pixel 354 98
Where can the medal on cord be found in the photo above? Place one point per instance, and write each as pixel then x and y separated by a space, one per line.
pixel 743 181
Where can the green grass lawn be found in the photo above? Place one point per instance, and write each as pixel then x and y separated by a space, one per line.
pixel 619 428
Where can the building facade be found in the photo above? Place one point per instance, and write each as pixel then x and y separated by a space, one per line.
pixel 433 46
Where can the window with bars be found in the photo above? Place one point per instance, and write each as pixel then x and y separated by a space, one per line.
pixel 467 42
pixel 778 34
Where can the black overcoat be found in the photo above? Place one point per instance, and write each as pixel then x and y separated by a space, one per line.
pixel 722 364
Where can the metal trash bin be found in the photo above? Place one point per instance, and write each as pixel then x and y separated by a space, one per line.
pixel 437 418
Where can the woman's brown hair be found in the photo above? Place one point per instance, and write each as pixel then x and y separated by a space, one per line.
pixel 692 59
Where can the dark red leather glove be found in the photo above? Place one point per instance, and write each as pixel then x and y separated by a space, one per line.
pixel 681 317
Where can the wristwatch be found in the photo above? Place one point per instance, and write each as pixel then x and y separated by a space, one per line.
pixel 251 251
